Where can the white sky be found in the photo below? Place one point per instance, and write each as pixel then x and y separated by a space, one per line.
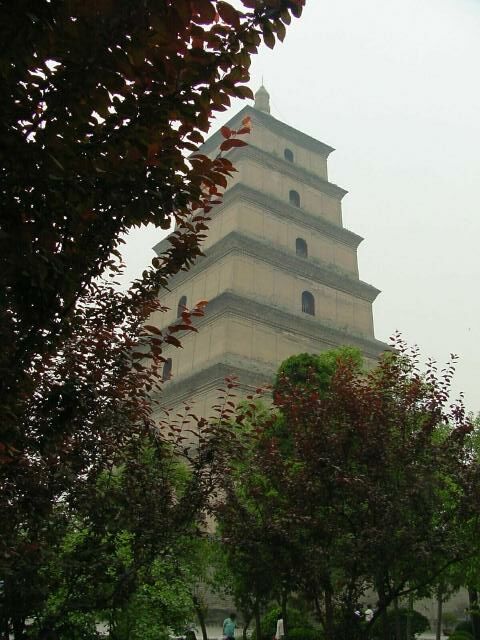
pixel 394 86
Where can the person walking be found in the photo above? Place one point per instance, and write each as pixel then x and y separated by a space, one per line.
pixel 280 631
pixel 229 626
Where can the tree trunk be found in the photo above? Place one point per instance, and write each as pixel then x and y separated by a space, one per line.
pixel 318 611
pixel 329 624
pixel 200 611
pixel 256 613
pixel 474 612
pixel 398 628
pixel 5 629
pixel 383 613
pixel 18 625
pixel 247 618
pixel 438 632
pixel 409 616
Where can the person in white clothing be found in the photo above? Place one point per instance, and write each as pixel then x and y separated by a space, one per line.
pixel 279 633
pixel 368 613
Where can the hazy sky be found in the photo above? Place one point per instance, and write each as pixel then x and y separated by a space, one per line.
pixel 394 86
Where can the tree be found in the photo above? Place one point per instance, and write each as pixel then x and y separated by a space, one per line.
pixel 121 545
pixel 370 487
pixel 466 573
pixel 101 105
pixel 418 623
pixel 251 558
pixel 315 370
pixel 255 567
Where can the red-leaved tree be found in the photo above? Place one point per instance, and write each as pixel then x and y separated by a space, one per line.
pixel 361 483
pixel 104 106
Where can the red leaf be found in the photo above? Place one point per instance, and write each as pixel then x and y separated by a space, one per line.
pixel 232 142
pixel 152 152
pixel 268 38
pixel 153 329
pixel 173 340
pixel 243 92
pixel 226 132
pixel 197 43
pixel 205 11
pixel 228 14
pixel 181 327
pixel 220 179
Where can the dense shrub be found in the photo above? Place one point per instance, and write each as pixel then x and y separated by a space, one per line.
pixel 464 625
pixel 420 624
pixel 461 635
pixel 298 625
pixel 305 633
pixel 316 369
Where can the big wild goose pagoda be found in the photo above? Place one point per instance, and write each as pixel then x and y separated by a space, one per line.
pixel 280 271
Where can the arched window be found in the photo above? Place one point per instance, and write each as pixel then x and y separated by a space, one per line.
pixel 288 155
pixel 167 369
pixel 308 303
pixel 294 198
pixel 301 248
pixel 182 303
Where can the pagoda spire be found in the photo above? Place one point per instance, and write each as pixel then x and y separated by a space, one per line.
pixel 262 100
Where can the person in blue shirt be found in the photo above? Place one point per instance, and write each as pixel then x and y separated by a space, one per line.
pixel 229 626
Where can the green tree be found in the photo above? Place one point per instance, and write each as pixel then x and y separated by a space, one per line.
pixel 316 370
pixel 418 624
pixel 255 567
pixel 466 573
pixel 125 549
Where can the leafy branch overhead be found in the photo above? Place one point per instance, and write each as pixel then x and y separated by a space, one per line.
pixel 104 107
pixel 102 104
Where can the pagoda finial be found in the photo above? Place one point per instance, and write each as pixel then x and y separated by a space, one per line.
pixel 262 99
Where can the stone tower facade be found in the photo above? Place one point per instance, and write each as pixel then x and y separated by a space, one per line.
pixel 280 271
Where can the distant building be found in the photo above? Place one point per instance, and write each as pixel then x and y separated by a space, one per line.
pixel 280 272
